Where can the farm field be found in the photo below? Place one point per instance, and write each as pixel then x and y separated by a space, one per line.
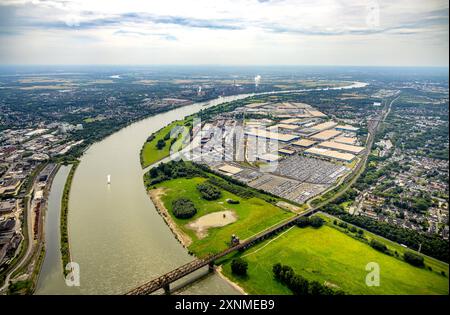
pixel 253 215
pixel 332 257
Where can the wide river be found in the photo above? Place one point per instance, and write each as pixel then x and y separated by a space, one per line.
pixel 116 235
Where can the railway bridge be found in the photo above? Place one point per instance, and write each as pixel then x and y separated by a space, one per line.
pixel 164 281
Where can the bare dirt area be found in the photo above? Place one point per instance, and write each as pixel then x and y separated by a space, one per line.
pixel 215 219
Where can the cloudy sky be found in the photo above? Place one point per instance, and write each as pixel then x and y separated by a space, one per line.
pixel 256 32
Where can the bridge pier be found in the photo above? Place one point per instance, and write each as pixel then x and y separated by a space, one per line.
pixel 211 266
pixel 166 289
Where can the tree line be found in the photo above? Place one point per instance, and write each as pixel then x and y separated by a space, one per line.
pixel 300 285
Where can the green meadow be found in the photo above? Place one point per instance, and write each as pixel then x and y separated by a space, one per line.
pixel 338 259
pixel 150 154
pixel 253 215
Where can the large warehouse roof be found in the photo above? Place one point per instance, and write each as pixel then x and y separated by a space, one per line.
pixel 304 143
pixel 347 157
pixel 271 135
pixel 326 135
pixel 342 147
pixel 324 126
pixel 229 169
pixel 345 140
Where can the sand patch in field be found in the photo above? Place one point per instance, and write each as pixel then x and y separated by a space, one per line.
pixel 211 220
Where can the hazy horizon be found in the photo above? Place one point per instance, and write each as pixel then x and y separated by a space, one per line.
pixel 228 32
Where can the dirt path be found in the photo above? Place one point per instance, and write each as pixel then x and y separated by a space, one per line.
pixel 155 196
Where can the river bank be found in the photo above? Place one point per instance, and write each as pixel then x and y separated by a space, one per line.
pixel 51 277
pixel 155 195
pixel 233 284
pixel 133 244
pixel 116 235
pixel 64 237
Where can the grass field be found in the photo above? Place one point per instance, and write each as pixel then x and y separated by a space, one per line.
pixel 150 154
pixel 393 247
pixel 329 255
pixel 254 215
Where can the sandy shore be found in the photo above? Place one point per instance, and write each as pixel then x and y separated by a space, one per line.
pixel 233 284
pixel 155 196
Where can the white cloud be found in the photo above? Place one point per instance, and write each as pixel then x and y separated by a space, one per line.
pixel 227 31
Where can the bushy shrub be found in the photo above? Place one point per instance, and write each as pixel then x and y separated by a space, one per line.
pixel 414 259
pixel 316 222
pixel 167 136
pixel 160 144
pixel 183 208
pixel 378 245
pixel 239 267
pixel 209 192
pixel 303 222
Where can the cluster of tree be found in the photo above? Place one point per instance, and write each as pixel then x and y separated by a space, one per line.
pixel 315 222
pixel 171 170
pixel 232 187
pixel 183 208
pixel 150 138
pixel 209 192
pixel 431 245
pixel 378 246
pixel 350 228
pixel 415 204
pixel 371 174
pixel 160 144
pixel 239 267
pixel 350 194
pixel 414 259
pixel 298 284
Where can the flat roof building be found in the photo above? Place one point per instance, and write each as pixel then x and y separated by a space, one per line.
pixel 290 121
pixel 316 113
pixel 345 140
pixel 229 169
pixel 326 135
pixel 342 147
pixel 285 126
pixel 286 151
pixel 304 143
pixel 346 157
pixel 347 128
pixel 39 194
pixel 324 126
pixel 7 206
pixel 271 135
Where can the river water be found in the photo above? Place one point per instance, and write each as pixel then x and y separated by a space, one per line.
pixel 51 279
pixel 116 235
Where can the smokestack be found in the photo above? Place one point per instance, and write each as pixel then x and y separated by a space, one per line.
pixel 257 81
pixel 199 90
